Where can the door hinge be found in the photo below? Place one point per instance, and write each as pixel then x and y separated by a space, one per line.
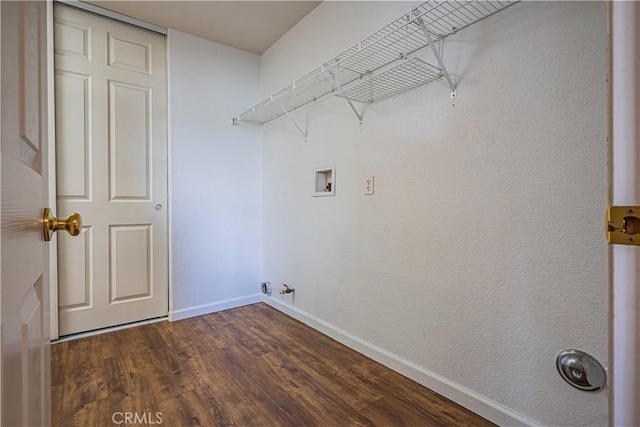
pixel 622 225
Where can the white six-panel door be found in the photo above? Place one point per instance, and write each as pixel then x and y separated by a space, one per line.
pixel 26 387
pixel 111 159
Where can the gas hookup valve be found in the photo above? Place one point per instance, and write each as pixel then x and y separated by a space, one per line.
pixel 287 289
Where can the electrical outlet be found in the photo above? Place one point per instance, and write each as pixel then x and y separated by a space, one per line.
pixel 368 185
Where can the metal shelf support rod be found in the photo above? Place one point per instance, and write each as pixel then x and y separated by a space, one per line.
pixel 336 79
pixel 303 133
pixel 359 115
pixel 437 54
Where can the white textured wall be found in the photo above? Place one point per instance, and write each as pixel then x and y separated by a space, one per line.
pixel 215 173
pixel 481 254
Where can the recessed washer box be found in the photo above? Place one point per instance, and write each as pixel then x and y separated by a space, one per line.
pixel 324 181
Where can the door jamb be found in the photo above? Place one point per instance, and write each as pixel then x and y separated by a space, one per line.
pixel 51 130
pixel 624 189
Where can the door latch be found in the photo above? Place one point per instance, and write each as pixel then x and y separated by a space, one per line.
pixel 622 225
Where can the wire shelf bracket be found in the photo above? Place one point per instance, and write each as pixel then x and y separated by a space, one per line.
pixel 336 78
pixel 353 107
pixel 290 117
pixel 437 52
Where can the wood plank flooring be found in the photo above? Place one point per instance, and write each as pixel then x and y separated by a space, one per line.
pixel 250 366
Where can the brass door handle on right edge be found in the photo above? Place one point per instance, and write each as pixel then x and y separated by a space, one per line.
pixel 50 224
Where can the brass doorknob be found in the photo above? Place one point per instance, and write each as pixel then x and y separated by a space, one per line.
pixel 51 224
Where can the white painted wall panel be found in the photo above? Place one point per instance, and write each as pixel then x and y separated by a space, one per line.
pixel 481 254
pixel 215 174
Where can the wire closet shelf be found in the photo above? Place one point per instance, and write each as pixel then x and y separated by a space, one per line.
pixel 361 72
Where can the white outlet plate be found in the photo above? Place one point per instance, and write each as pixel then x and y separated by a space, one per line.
pixel 368 185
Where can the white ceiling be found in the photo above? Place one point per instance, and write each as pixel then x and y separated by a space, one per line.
pixel 248 25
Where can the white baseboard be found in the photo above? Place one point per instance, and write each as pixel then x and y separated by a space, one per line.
pixel 471 400
pixel 198 310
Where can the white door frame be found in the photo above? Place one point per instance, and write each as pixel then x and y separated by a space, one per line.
pixel 51 120
pixel 53 253
pixel 624 29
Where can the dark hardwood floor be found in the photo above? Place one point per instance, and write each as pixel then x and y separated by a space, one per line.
pixel 250 366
